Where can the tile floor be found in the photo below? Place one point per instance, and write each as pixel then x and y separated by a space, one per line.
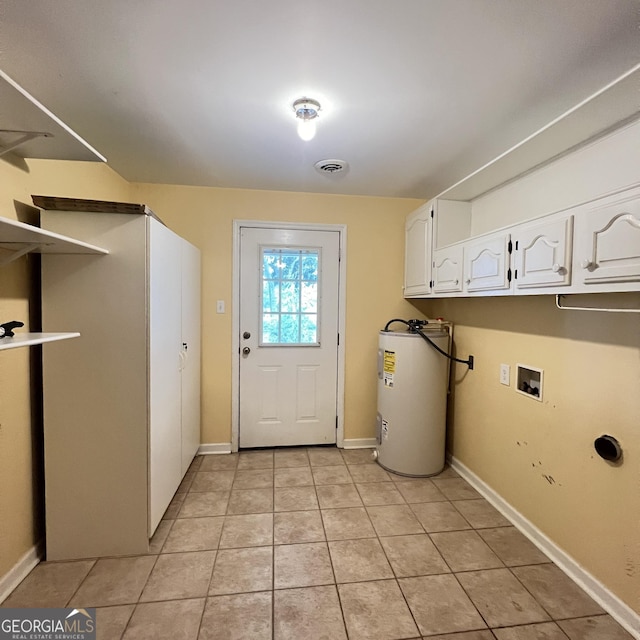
pixel 321 543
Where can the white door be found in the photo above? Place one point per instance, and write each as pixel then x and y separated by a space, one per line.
pixel 289 280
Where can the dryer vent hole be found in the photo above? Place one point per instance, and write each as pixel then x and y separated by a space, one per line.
pixel 608 448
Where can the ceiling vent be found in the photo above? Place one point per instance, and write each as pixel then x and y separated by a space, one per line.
pixel 331 166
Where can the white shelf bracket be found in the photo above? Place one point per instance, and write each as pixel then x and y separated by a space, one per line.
pixel 609 310
pixel 25 136
pixel 14 255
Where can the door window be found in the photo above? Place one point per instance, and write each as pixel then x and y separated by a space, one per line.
pixel 289 297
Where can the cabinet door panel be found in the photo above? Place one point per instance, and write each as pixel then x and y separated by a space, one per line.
pixel 609 249
pixel 417 272
pixel 543 254
pixel 165 441
pixel 447 270
pixel 190 379
pixel 486 263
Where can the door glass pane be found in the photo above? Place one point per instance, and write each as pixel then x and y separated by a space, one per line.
pixel 289 296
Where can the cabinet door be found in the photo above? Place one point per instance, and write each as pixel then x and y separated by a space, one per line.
pixel 190 378
pixel 417 259
pixel 165 320
pixel 447 269
pixel 608 241
pixel 486 263
pixel 542 256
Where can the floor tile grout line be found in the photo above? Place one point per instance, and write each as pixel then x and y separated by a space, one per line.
pixel 475 606
pixel 95 562
pixel 337 590
pixel 531 594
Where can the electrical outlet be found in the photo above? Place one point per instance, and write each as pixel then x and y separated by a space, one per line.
pixel 505 374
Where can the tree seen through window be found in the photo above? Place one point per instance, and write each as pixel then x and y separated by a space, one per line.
pixel 290 296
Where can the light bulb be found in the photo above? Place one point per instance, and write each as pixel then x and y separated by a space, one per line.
pixel 306 129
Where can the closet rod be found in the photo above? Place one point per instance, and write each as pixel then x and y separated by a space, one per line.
pixel 559 296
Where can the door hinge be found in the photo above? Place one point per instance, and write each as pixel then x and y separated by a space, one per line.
pixel 517 244
pixel 510 246
pixel 432 212
pixel 509 274
pixel 515 273
pixel 431 284
pixel 338 338
pixel 336 423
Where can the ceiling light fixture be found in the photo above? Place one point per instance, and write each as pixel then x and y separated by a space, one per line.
pixel 306 111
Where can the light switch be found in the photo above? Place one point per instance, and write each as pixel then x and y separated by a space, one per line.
pixel 220 306
pixel 505 373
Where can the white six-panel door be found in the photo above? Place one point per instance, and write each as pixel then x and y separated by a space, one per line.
pixel 289 310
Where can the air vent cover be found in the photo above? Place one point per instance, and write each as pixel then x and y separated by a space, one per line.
pixel 331 166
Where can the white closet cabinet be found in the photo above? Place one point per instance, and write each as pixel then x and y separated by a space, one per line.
pixel 607 239
pixel 122 408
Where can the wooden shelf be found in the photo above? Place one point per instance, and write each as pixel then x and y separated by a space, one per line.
pixel 30 339
pixel 614 105
pixel 19 238
pixel 29 130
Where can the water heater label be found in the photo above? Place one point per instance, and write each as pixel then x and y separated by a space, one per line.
pixel 389 368
pixel 385 429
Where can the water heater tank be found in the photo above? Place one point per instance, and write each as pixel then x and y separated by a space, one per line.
pixel 412 402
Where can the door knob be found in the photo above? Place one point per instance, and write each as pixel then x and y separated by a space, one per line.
pixel 246 335
pixel 246 351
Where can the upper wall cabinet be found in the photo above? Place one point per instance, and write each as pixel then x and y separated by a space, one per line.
pixel 608 242
pixel 565 196
pixel 29 130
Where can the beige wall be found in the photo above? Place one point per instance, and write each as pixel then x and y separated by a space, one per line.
pixel 20 436
pixel 539 456
pixel 375 246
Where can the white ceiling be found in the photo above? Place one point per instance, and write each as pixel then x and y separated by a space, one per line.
pixel 415 93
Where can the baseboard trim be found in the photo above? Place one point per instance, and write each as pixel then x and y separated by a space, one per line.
pixel 615 607
pixel 359 443
pixel 20 571
pixel 218 447
pixel 225 447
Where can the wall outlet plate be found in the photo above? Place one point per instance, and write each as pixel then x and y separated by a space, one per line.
pixel 505 374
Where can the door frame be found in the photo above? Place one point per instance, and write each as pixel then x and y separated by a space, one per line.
pixel 341 229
